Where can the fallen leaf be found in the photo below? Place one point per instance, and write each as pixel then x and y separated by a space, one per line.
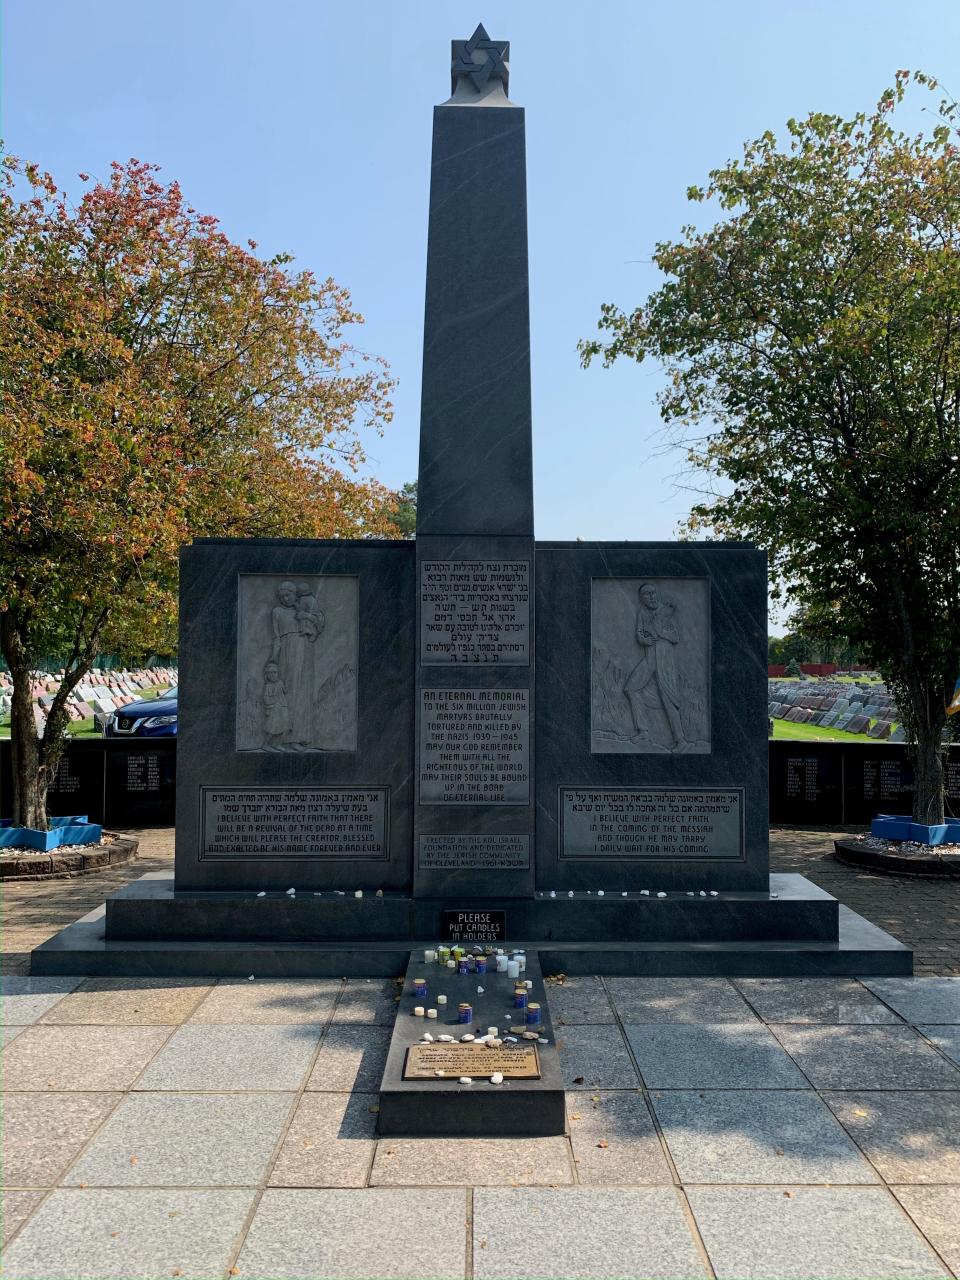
pixel 594 1097
pixel 603 1143
pixel 114 1234
pixel 134 1159
pixel 483 1244
pixel 788 1194
pixel 574 1115
pixel 858 1111
pixel 374 1110
pixel 234 1271
pixel 778 1151
pixel 578 1079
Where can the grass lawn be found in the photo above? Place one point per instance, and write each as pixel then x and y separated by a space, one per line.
pixel 814 733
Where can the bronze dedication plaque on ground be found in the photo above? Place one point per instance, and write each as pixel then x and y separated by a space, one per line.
pixel 515 1062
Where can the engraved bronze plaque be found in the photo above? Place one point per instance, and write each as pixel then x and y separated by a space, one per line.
pixel 516 1062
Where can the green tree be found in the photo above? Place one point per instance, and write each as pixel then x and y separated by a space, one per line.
pixel 811 340
pixel 404 517
pixel 157 383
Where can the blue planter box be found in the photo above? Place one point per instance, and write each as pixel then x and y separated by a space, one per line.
pixel 72 830
pixel 889 826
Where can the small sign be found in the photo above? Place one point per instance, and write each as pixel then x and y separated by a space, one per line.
pixel 514 1062
pixel 474 926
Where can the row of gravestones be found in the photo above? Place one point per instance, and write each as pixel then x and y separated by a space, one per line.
pixel 831 706
pixel 97 697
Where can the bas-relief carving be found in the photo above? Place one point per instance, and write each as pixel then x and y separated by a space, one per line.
pixel 650 666
pixel 297 663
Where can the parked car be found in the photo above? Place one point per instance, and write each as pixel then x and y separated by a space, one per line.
pixel 151 718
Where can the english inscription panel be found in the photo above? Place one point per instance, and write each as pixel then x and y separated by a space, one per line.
pixel 475 611
pixel 474 746
pixel 347 823
pixel 474 853
pixel 430 1061
pixel 634 824
pixel 650 666
pixel 297 662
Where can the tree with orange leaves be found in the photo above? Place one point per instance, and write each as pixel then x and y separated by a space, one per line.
pixel 157 383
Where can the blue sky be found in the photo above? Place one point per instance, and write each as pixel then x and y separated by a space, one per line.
pixel 305 125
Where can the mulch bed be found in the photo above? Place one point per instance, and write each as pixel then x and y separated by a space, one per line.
pixel 69 860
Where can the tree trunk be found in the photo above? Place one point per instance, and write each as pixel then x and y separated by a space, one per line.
pixel 927 717
pixel 29 784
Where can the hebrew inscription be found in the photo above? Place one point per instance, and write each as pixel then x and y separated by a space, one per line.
pixel 635 824
pixel 294 822
pixel 297 663
pixel 428 1061
pixel 474 853
pixel 474 746
pixel 650 666
pixel 475 611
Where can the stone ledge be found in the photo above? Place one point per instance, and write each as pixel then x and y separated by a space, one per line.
pixel 59 865
pixel 855 854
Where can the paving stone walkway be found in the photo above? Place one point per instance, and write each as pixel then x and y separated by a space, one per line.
pixel 767 1128
pixel 780 1129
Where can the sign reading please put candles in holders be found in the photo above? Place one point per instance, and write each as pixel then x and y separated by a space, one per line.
pixel 474 926
pixel 518 1062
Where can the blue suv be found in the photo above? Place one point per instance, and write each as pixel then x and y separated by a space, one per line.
pixel 154 718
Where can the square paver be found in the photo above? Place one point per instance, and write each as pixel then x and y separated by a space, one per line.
pixel 129 1001
pixel 23 998
pixel 330 1142
pixel 477 1162
pixel 17 1207
pixel 346 1235
pixel 830 1000
pixel 595 1057
pixel 185 1140
pixel 233 1057
pixel 129 1234
pixel 591 1233
pixel 645 1000
pixel 867 1058
pixel 578 1000
pixel 911 1136
pixel 86 1059
pixel 614 1140
pixel 373 1001
pixel 947 1039
pixel 920 999
pixel 351 1058
pixel 936 1211
pixel 750 1135
pixel 810 1233
pixel 42 1133
pixel 725 1056
pixel 292 1000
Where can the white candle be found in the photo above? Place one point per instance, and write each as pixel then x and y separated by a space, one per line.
pixel 513 969
pixel 431 1013
pixel 502 962
pixel 418 1011
pixel 441 999
pixel 451 964
pixel 492 1031
pixel 521 961
pixel 429 957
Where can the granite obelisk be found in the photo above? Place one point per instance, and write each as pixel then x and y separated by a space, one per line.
pixel 475 551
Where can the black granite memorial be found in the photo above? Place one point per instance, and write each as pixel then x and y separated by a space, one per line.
pixel 564 743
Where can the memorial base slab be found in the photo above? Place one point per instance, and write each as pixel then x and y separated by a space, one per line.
pixel 148 928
